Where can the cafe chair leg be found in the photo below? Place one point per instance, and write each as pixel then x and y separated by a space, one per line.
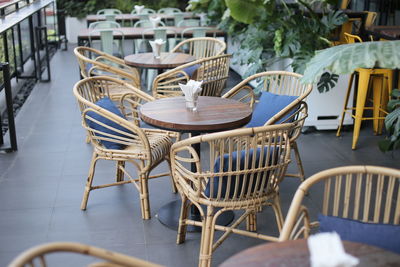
pixel 174 189
pixel 278 212
pixel 89 181
pixel 144 196
pixel 182 220
pixel 207 238
pixel 251 222
pixel 120 173
pixel 298 161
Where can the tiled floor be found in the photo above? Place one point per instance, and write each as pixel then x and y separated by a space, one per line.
pixel 41 185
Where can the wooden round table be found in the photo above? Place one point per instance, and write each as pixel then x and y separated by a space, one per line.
pixel 295 253
pixel 166 60
pixel 213 114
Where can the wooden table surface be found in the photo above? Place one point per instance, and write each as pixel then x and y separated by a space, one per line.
pixel 213 114
pixel 137 33
pixel 134 17
pixel 295 253
pixel 166 60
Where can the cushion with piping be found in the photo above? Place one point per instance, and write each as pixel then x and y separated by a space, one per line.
pixel 270 104
pixel 386 236
pixel 109 105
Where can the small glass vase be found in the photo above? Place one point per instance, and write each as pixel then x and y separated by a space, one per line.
pixel 191 103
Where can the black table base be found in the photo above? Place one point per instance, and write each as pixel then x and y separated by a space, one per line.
pixel 168 215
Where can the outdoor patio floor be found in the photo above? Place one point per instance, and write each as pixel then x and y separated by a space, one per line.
pixel 41 185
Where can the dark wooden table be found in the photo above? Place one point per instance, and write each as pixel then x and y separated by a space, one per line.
pixel 134 17
pixel 295 253
pixel 137 33
pixel 166 60
pixel 385 32
pixel 213 114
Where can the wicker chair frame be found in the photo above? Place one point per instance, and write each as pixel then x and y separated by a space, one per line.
pixel 213 71
pixel 363 193
pixel 144 148
pixel 201 47
pixel 93 62
pixel 259 186
pixel 282 83
pixel 36 256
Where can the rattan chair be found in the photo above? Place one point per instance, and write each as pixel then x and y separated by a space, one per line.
pixel 144 148
pixel 242 172
pixel 362 193
pixel 93 62
pixel 280 83
pixel 213 71
pixel 201 47
pixel 38 255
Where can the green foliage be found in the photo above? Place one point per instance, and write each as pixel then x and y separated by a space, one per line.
pixel 392 124
pixel 270 30
pixel 82 8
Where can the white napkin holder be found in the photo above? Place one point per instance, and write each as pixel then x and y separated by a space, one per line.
pixel 156 47
pixel 139 9
pixel 155 21
pixel 326 250
pixel 191 90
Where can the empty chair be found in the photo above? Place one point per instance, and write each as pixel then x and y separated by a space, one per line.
pixel 115 134
pixel 201 47
pixel 169 10
pixel 213 71
pixel 93 62
pixel 281 99
pixel 243 173
pixel 189 23
pixel 109 11
pixel 104 25
pixel 107 41
pixel 360 203
pixel 38 255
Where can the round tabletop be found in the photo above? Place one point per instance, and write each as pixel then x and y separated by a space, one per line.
pixel 213 114
pixel 166 60
pixel 295 253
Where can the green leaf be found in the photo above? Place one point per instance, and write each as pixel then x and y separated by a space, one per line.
pixel 396 93
pixel 385 145
pixel 245 10
pixel 344 59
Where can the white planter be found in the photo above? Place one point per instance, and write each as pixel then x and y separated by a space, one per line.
pixel 324 109
pixel 73 26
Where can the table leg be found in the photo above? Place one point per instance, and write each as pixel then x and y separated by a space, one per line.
pixel 169 213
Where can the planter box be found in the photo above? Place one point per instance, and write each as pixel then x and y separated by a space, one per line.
pixel 73 26
pixel 324 109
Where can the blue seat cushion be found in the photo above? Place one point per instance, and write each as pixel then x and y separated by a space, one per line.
pixel 214 182
pixel 190 71
pixel 386 236
pixel 270 104
pixel 109 105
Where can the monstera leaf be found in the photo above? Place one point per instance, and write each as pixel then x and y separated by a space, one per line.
pixel 344 59
pixel 245 10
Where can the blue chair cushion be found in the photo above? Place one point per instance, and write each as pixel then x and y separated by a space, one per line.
pixel 241 181
pixel 109 105
pixel 386 236
pixel 270 104
pixel 190 70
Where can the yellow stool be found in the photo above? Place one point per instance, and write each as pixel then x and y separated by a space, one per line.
pixel 382 83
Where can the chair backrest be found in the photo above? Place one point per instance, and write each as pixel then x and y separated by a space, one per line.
pixel 197 31
pixel 159 33
pixel 189 23
pixel 37 256
pixel 109 11
pixel 107 40
pixel 93 62
pixel 178 17
pixel 363 193
pixel 351 38
pixel 104 25
pixel 213 71
pixel 244 168
pixel 89 91
pixel 201 47
pixel 146 24
pixel 110 17
pixel 370 20
pixel 169 10
pixel 144 11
